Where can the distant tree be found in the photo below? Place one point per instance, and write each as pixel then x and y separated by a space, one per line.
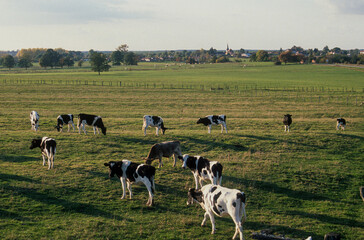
pixel 117 57
pixel 123 48
pixel 25 62
pixel 241 51
pixel 50 59
pixel 212 51
pixel 99 62
pixel 285 56
pixel 262 56
pixel 325 50
pixel 222 59
pixel 336 50
pixel 130 58
pixel 80 62
pixel 68 61
pixel 213 59
pixel 191 60
pixel 253 57
pixel 8 61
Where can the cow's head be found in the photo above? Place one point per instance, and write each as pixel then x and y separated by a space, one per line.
pixel 153 154
pixel 287 115
pixel 114 168
pixel 184 159
pixel 200 120
pixel 163 129
pixel 35 143
pixel 58 127
pixel 194 196
pixel 103 130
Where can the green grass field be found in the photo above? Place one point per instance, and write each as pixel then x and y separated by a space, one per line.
pixel 303 183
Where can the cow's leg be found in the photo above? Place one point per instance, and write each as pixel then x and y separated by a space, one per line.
pixel 94 128
pixel 128 184
pixel 288 128
pixel 238 227
pixel 200 180
pixel 160 162
pixel 196 179
pixel 225 128
pixel 123 183
pixel 73 126
pixel 212 219
pixel 209 128
pixel 222 128
pixel 148 183
pixel 83 127
pixel 204 219
pixel 145 129
pixel 43 159
pixel 175 159
pixel 68 125
pixel 157 131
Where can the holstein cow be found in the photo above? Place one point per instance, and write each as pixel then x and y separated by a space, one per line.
pixel 65 119
pixel 221 201
pixel 213 120
pixel 34 120
pixel 340 123
pixel 203 169
pixel 91 120
pixel 129 172
pixel 164 149
pixel 153 121
pixel 287 121
pixel 48 147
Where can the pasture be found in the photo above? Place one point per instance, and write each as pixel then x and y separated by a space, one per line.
pixel 303 183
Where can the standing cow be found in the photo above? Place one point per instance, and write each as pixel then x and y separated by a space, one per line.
pixel 153 121
pixel 48 148
pixel 91 120
pixel 220 201
pixel 34 120
pixel 164 149
pixel 340 123
pixel 214 120
pixel 287 121
pixel 65 119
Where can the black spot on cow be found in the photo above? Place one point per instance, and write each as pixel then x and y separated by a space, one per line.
pixel 234 204
pixel 195 194
pixel 201 164
pixel 241 196
pixel 205 121
pixel 217 169
pixel 214 203
pixel 130 170
pixel 204 172
pixel 191 162
pixel 156 120
pixel 213 189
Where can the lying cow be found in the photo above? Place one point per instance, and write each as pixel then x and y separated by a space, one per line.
pixel 129 173
pixel 34 120
pixel 213 120
pixel 221 201
pixel 340 123
pixel 164 149
pixel 48 147
pixel 287 121
pixel 153 121
pixel 65 119
pixel 91 120
pixel 203 169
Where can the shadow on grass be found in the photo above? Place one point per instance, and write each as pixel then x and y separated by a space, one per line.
pixel 10 215
pixel 19 159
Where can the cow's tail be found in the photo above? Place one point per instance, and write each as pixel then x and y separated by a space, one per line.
pixel 241 202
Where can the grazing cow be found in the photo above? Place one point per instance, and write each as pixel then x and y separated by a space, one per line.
pixel 48 147
pixel 153 121
pixel 203 169
pixel 340 123
pixel 65 119
pixel 214 120
pixel 164 149
pixel 221 201
pixel 34 120
pixel 91 120
pixel 130 173
pixel 287 121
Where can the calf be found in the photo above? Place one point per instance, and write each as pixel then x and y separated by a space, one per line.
pixel 213 120
pixel 130 172
pixel 287 121
pixel 34 120
pixel 203 169
pixel 340 123
pixel 65 119
pixel 153 121
pixel 164 149
pixel 48 147
pixel 221 201
pixel 91 120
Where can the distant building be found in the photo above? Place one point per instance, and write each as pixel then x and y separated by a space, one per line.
pixel 229 51
pixel 361 51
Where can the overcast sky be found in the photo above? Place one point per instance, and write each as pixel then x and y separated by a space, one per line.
pixel 181 24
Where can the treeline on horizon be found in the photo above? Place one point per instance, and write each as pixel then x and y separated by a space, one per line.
pixel 59 57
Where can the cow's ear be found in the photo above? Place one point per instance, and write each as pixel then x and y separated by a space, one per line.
pixel 107 164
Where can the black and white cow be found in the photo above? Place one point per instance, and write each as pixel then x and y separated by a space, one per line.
pixel 340 123
pixel 34 120
pixel 287 121
pixel 91 120
pixel 153 121
pixel 48 147
pixel 203 169
pixel 220 201
pixel 213 120
pixel 129 173
pixel 164 149
pixel 65 119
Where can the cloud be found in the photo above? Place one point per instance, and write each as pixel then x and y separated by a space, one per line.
pixel 355 7
pixel 46 12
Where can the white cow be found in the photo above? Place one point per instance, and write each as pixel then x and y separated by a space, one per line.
pixel 34 120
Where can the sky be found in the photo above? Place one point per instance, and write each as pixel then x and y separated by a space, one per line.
pixel 104 25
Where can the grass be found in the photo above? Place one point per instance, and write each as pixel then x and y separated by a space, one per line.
pixel 303 183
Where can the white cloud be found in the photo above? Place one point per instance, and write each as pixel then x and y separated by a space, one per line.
pixel 355 7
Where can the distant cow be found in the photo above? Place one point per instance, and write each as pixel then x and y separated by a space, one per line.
pixel 221 201
pixel 65 119
pixel 340 123
pixel 48 147
pixel 129 173
pixel 203 169
pixel 153 121
pixel 91 120
pixel 34 120
pixel 213 120
pixel 164 149
pixel 287 121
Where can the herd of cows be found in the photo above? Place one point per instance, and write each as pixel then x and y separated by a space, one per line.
pixel 213 198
